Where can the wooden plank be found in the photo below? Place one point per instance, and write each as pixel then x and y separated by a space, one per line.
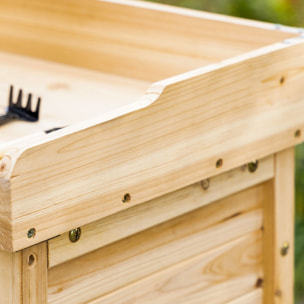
pixel 34 274
pixel 150 251
pixel 133 39
pixel 143 216
pixel 253 297
pixel 199 118
pixel 11 277
pixel 279 229
pixel 218 276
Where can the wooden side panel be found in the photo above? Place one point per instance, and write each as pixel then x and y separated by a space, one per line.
pixel 230 114
pixel 143 41
pixel 279 232
pixel 149 252
pixel 34 274
pixel 143 216
pixel 216 277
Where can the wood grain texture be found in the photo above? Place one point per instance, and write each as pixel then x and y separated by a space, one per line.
pixel 143 216
pixel 279 228
pixel 199 117
pixel 134 258
pixel 69 94
pixel 133 39
pixel 216 277
pixel 253 297
pixel 11 277
pixel 34 274
pixel 23 276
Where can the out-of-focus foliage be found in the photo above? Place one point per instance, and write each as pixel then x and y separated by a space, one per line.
pixel 299 237
pixel 287 12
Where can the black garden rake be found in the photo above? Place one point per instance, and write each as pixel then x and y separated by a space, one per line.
pixel 16 111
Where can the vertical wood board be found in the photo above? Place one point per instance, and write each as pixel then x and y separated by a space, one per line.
pixel 279 229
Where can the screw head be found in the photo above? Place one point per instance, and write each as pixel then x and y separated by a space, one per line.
pixel 253 166
pixel 74 235
pixel 285 249
pixel 31 233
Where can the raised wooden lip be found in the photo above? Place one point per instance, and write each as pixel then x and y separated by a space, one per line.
pixel 15 149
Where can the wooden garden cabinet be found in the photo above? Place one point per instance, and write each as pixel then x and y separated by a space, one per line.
pixel 174 157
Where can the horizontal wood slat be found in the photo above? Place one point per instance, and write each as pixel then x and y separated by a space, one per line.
pixel 253 297
pixel 215 277
pixel 143 216
pixel 165 245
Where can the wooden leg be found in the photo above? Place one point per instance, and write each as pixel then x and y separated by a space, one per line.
pixel 10 277
pixel 23 276
pixel 34 274
pixel 279 232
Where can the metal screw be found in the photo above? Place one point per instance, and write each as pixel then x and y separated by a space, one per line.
pixel 253 166
pixel 74 235
pixel 31 233
pixel 285 249
pixel 205 183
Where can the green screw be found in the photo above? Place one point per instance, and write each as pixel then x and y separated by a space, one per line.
pixel 253 166
pixel 31 233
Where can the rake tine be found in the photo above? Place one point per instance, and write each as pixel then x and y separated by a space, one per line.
pixel 37 108
pixel 19 99
pixel 29 103
pixel 10 96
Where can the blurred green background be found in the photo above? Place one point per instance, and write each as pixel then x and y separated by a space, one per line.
pixel 287 12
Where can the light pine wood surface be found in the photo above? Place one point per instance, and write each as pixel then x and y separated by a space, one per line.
pixel 35 274
pixel 143 216
pixel 10 277
pixel 134 39
pixel 137 257
pixel 224 273
pixel 253 297
pixel 23 276
pixel 69 94
pixel 127 166
pixel 279 229
pixel 174 142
